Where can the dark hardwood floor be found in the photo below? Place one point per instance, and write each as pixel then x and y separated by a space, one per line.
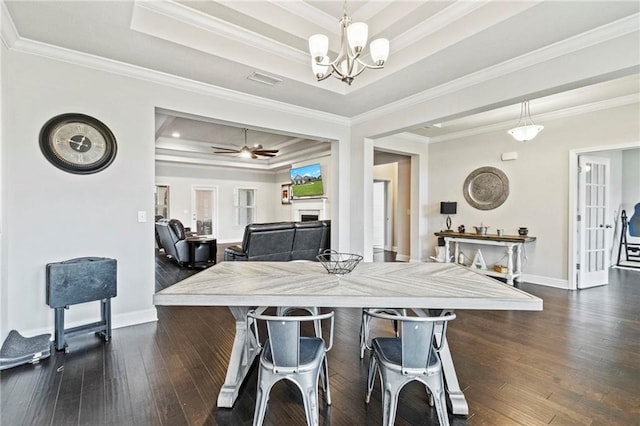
pixel 575 363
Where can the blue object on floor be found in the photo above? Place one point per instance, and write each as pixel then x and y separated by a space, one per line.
pixel 17 349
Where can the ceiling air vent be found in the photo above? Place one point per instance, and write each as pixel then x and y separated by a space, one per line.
pixel 264 79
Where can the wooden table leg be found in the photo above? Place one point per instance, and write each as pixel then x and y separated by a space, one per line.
pixel 244 351
pixel 459 404
pixel 458 401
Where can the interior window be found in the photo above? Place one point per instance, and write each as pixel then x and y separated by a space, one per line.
pixel 245 204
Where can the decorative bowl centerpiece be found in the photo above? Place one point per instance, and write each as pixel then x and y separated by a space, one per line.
pixel 338 263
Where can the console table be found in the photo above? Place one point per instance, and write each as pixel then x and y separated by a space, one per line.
pixel 509 242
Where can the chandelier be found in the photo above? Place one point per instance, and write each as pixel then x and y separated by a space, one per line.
pixel 525 130
pixel 348 64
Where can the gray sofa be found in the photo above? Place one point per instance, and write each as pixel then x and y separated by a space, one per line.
pixel 282 241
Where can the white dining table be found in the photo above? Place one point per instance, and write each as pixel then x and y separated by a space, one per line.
pixel 243 286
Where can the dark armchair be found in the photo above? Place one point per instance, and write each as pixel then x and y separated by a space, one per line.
pixel 172 236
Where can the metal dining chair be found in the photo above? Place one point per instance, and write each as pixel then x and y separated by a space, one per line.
pixel 411 356
pixel 311 310
pixel 288 356
pixel 365 325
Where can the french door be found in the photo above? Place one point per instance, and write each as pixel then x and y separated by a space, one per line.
pixel 204 210
pixel 593 214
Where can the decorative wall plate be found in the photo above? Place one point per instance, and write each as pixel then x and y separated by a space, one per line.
pixel 486 188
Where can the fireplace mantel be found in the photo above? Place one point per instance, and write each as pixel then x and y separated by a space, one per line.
pixel 309 206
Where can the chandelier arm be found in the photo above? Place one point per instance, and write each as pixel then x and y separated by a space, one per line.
pixel 365 65
pixel 336 70
pixel 359 72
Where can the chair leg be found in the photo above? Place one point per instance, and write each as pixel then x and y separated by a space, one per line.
pixel 371 377
pixel 325 380
pixel 364 333
pixel 389 403
pixel 262 397
pixel 440 401
pixel 310 399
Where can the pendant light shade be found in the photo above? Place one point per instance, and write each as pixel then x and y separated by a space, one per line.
pixel 525 130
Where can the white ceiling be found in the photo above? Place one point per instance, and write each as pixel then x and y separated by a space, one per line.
pixel 433 43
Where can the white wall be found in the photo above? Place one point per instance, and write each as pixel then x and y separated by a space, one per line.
pixel 49 215
pixel 539 182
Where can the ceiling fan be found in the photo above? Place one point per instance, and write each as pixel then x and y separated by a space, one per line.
pixel 246 151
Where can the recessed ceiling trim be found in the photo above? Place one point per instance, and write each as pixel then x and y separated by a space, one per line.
pixel 543 117
pixel 437 22
pixel 598 35
pixel 143 13
pixel 305 11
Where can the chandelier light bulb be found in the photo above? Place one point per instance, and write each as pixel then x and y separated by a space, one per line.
pixel 357 34
pixel 318 46
pixel 379 50
pixel 320 69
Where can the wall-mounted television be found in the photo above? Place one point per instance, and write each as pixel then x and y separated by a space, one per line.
pixel 306 181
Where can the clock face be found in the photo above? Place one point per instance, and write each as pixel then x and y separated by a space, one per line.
pixel 77 143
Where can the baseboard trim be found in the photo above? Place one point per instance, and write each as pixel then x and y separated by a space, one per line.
pixel 134 318
pixel 117 321
pixel 402 258
pixel 545 281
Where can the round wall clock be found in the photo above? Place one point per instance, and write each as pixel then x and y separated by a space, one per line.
pixel 78 143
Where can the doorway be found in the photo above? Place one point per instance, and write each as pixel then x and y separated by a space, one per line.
pixel 381 216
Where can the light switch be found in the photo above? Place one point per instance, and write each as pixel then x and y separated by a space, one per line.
pixel 142 216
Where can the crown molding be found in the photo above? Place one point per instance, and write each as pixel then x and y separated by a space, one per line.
pixel 87 60
pixel 8 31
pixel 598 35
pixel 544 117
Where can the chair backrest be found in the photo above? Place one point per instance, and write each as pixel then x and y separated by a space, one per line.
pixel 168 239
pixel 268 241
pixel 310 240
pixel 284 337
pixel 177 228
pixel 417 338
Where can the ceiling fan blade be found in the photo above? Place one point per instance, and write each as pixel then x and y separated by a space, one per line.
pixel 224 152
pixel 225 149
pixel 266 151
pixel 264 154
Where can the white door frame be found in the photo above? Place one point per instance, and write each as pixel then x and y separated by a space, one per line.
pixel 572 254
